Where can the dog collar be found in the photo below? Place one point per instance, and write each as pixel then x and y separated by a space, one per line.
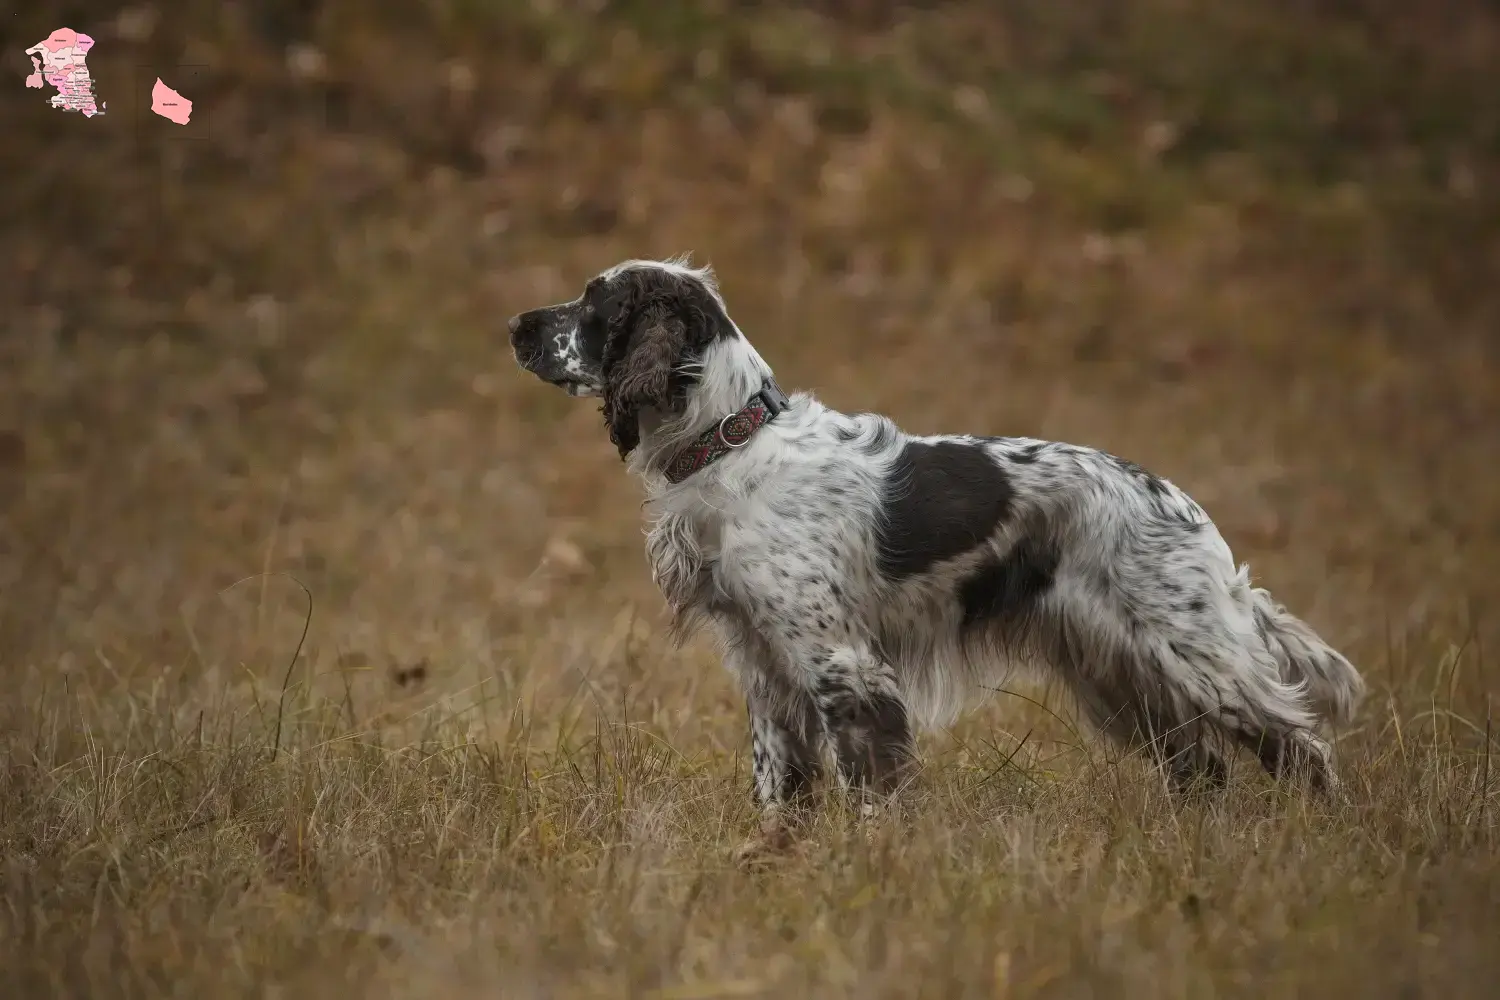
pixel 730 433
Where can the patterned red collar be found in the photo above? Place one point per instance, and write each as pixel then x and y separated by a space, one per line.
pixel 733 432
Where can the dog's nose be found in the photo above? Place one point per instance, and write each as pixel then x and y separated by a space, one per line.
pixel 514 323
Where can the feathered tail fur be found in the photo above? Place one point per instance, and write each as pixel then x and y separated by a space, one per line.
pixel 1334 687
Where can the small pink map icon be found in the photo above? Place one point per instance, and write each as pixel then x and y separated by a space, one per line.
pixel 61 60
pixel 170 104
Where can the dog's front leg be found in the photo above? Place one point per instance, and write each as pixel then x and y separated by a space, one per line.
pixel 785 733
pixel 865 718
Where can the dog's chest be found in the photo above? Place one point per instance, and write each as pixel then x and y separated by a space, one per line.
pixel 684 549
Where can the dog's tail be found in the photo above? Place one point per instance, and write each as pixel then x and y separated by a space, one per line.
pixel 1333 686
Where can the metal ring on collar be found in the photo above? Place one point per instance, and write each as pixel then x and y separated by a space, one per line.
pixel 728 443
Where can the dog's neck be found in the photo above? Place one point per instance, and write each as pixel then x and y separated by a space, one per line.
pixel 728 374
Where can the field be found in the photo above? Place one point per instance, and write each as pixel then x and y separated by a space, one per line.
pixel 331 659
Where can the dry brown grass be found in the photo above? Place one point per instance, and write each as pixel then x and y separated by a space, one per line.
pixel 273 358
pixel 156 849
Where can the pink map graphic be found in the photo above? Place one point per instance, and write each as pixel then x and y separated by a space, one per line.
pixel 170 104
pixel 59 60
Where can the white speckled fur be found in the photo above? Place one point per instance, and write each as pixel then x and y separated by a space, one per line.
pixel 1145 617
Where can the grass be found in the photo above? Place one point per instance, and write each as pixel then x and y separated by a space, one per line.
pixel 166 843
pixel 1252 247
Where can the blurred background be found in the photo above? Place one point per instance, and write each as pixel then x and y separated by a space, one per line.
pixel 1253 246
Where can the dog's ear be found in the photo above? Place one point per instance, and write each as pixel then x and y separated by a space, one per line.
pixel 640 368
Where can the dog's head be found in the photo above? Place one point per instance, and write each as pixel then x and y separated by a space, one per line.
pixel 633 338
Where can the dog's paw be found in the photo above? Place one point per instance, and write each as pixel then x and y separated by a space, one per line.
pixel 774 839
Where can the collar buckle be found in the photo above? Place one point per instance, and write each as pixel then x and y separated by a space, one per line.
pixel 771 394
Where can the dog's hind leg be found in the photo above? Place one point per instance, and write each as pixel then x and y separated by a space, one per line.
pixel 1198 693
pixel 1185 695
pixel 1183 748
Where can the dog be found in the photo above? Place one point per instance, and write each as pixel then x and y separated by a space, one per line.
pixel 865 582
